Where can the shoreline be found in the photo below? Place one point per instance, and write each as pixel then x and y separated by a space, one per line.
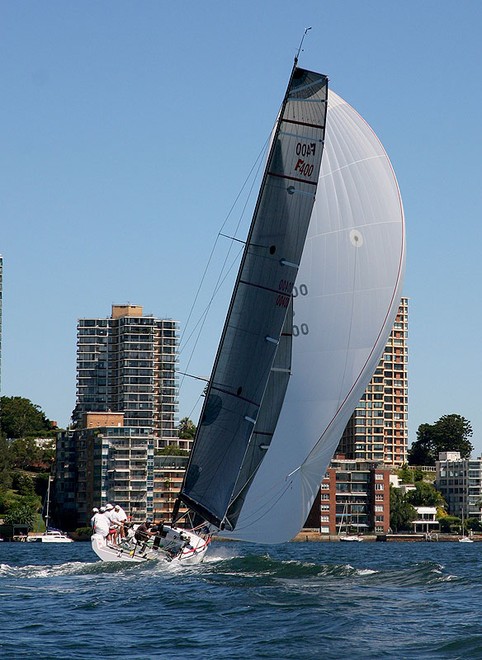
pixel 435 537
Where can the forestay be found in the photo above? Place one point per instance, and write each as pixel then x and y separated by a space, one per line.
pixel 257 312
pixel 346 297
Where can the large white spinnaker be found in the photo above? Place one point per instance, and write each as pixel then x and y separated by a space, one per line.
pixel 346 298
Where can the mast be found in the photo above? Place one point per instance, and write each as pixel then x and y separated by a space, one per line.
pixel 47 507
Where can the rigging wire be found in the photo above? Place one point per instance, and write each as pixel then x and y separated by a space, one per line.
pixel 225 268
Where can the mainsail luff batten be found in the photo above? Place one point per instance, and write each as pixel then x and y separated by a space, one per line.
pixel 264 283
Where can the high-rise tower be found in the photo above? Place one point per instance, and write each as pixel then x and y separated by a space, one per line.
pixel 378 429
pixel 127 363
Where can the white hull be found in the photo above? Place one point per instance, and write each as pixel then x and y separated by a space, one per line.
pixel 190 550
pixel 351 539
pixel 49 537
pixel 465 539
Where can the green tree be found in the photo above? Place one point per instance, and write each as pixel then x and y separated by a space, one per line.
pixel 171 450
pixel 5 475
pixel 401 511
pixel 425 494
pixel 408 476
pixel 7 499
pixel 449 433
pixel 19 418
pixel 474 524
pixel 23 484
pixel 21 513
pixel 23 453
pixel 83 533
pixel 186 428
pixel 450 524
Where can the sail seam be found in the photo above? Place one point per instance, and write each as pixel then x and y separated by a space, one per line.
pixel 301 138
pixel 293 178
pixel 318 127
pixel 355 162
pixel 307 100
pixel 259 286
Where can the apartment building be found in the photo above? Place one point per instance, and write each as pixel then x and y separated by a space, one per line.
pixel 168 476
pixel 354 497
pixel 104 461
pixel 378 429
pixel 128 364
pixel 460 482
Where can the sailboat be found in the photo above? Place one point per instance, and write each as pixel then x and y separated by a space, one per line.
pixel 314 302
pixel 50 535
pixel 253 355
pixel 343 534
pixel 464 538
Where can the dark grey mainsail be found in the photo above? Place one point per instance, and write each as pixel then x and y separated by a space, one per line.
pixel 267 419
pixel 232 435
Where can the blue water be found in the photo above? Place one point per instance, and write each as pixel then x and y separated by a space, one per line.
pixel 297 600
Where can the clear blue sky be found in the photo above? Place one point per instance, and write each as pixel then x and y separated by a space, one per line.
pixel 128 129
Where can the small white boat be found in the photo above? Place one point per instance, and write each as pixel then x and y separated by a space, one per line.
pixel 352 538
pixel 175 544
pixel 50 536
pixel 465 539
pixel 343 535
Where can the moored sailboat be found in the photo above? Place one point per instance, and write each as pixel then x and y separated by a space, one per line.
pixel 343 531
pixel 50 535
pixel 464 538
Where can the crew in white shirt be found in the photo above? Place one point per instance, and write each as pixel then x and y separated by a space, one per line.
pixel 100 523
pixel 119 516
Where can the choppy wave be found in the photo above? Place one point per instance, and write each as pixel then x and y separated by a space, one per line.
pixel 296 600
pixel 242 566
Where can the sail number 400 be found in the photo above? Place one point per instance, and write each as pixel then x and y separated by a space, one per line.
pixel 302 166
